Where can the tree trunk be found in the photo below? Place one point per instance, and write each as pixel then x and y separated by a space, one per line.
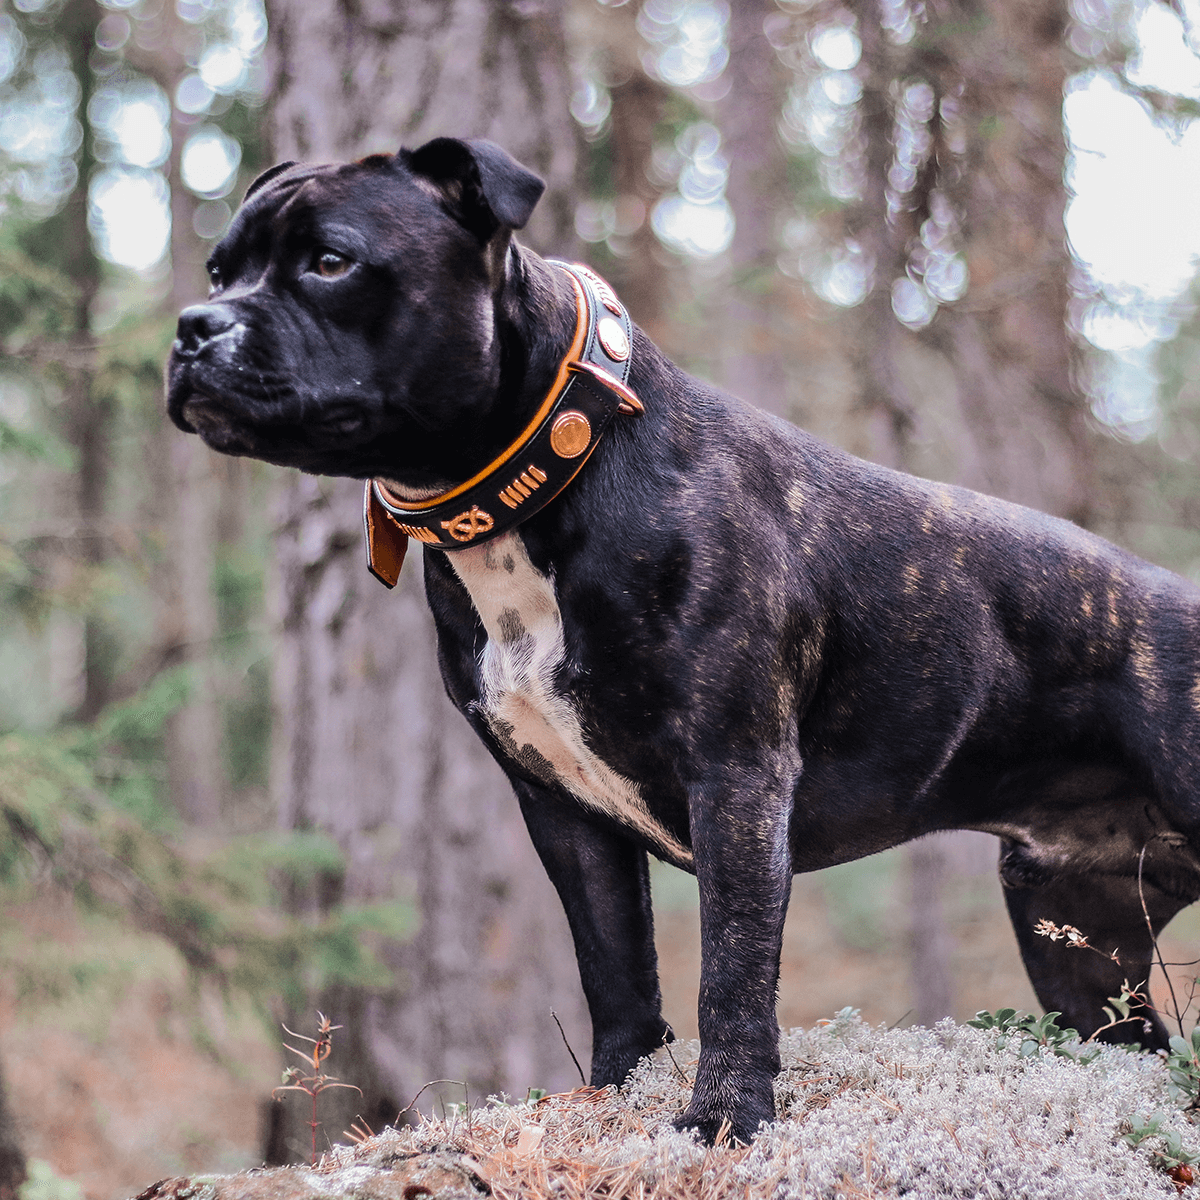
pixel 366 745
pixel 754 357
pixel 995 157
pixel 640 277
pixel 194 759
pixel 1015 424
pixel 930 941
pixel 1008 339
pixel 89 418
pixel 185 476
pixel 640 270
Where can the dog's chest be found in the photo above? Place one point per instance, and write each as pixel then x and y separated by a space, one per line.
pixel 537 725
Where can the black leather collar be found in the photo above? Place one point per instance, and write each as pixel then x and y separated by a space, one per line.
pixel 588 391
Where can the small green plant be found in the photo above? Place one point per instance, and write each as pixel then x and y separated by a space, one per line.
pixel 1182 1060
pixel 1183 1064
pixel 1119 1009
pixel 1034 1034
pixel 1169 1155
pixel 315 1081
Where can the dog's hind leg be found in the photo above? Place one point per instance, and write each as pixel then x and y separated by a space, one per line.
pixel 1107 910
pixel 603 880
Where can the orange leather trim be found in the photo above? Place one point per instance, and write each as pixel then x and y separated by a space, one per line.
pixel 560 381
pixel 386 541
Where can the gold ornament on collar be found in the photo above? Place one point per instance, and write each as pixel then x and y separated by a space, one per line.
pixel 467 526
pixel 570 434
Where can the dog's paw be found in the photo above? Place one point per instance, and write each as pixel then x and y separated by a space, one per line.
pixel 616 1057
pixel 715 1129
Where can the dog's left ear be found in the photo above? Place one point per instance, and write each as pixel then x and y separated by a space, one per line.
pixel 485 188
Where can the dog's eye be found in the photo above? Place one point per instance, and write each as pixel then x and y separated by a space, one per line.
pixel 214 276
pixel 330 264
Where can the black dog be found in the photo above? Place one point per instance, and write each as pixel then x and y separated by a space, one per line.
pixel 723 642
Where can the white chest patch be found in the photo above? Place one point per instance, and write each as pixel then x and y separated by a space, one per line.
pixel 538 726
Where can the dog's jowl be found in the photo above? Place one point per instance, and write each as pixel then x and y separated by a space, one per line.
pixel 687 629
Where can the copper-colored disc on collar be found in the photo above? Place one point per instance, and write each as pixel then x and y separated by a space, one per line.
pixel 570 434
pixel 612 338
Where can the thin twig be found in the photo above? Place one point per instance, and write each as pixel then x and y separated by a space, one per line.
pixel 1154 942
pixel 360 1130
pixel 671 1056
pixel 409 1106
pixel 563 1034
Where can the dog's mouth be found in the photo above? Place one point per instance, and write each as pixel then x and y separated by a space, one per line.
pixel 212 420
pixel 328 438
pixel 209 418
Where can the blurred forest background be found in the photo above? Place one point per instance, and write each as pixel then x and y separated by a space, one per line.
pixel 956 236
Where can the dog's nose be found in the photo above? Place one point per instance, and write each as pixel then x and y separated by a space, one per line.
pixel 199 324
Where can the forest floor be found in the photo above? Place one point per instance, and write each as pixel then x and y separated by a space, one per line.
pixel 865 1113
pixel 120 1076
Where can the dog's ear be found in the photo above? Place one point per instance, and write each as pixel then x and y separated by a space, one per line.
pixel 485 188
pixel 266 177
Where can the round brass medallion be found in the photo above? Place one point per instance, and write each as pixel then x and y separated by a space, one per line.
pixel 612 338
pixel 570 434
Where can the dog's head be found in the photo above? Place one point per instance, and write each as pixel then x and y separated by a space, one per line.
pixel 353 324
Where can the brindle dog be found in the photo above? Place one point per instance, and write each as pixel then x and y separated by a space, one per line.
pixel 725 643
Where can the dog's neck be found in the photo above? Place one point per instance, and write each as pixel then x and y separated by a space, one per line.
pixel 534 312
pixel 587 391
pixel 536 316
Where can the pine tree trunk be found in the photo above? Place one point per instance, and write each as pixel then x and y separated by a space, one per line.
pixel 1008 339
pixel 89 418
pixel 753 366
pixel 997 156
pixel 186 478
pixel 366 745
pixel 641 274
pixel 1019 424
pixel 194 760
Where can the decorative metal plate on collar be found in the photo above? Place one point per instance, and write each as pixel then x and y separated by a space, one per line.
pixel 588 390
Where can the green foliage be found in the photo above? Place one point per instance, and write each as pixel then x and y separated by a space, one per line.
pixel 123 748
pixel 1183 1064
pixel 37 301
pixel 678 111
pixel 129 366
pixel 32 443
pixel 1170 1153
pixel 43 1184
pixel 1118 1008
pixel 805 182
pixel 64 822
pixel 1033 1034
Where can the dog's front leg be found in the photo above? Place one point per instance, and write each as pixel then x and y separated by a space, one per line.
pixel 744 868
pixel 603 880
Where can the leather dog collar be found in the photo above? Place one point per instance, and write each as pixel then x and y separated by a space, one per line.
pixel 588 390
